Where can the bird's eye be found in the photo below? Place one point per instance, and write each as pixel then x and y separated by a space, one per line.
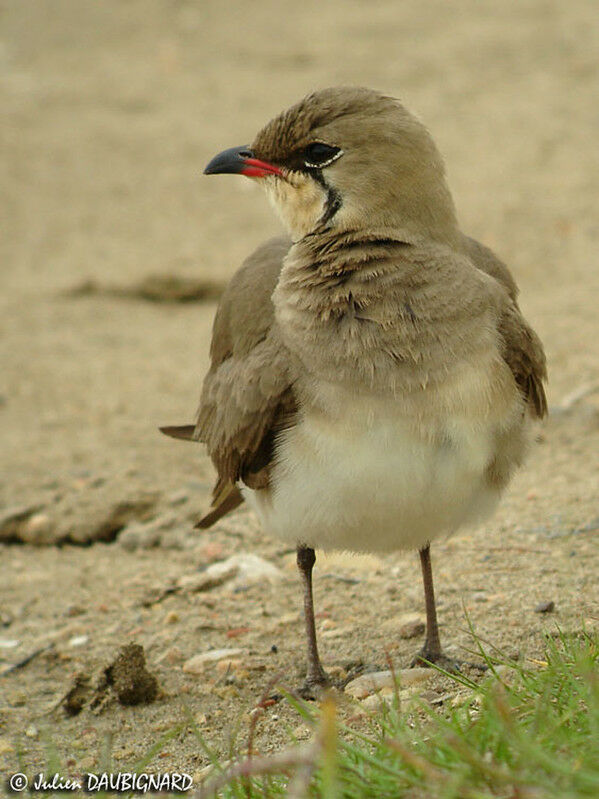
pixel 318 154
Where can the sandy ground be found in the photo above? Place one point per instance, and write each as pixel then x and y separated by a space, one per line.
pixel 110 112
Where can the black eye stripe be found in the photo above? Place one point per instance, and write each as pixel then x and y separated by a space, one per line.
pixel 318 154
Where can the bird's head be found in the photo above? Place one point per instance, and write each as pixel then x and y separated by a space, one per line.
pixel 347 159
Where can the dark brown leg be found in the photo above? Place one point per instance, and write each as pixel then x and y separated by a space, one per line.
pixel 432 645
pixel 316 674
pixel 431 652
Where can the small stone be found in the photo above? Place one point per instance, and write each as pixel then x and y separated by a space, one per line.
pixel 375 681
pixel 374 701
pixel 545 607
pixel 39 530
pixel 480 596
pixel 367 684
pixel 78 640
pixel 198 663
pixel 12 521
pixel 212 577
pixel 172 617
pixel 402 625
pixel 411 629
pixel 31 731
pixel 244 568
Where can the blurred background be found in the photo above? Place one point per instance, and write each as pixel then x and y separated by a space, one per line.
pixel 110 111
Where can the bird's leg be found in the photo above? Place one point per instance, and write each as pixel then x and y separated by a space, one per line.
pixel 431 650
pixel 316 675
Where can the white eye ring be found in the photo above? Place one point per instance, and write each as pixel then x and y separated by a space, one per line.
pixel 322 164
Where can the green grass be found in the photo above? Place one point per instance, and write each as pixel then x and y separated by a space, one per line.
pixel 534 735
pixel 526 732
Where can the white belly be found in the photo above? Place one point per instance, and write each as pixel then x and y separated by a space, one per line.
pixel 371 479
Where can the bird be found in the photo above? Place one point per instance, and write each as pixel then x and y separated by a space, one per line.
pixel 373 384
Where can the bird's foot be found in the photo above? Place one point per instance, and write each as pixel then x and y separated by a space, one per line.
pixel 315 684
pixel 427 659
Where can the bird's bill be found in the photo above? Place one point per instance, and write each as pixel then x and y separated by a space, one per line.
pixel 241 161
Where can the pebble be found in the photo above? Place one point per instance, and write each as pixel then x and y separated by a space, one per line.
pixel 405 625
pixel 545 607
pixel 212 577
pixel 197 664
pixel 172 617
pixel 411 628
pixel 374 701
pixel 12 520
pixel 31 731
pixel 79 640
pixel 241 569
pixel 367 684
pixel 252 568
pixel 39 530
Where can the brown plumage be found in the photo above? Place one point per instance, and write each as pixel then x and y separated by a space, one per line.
pixel 243 448
pixel 377 349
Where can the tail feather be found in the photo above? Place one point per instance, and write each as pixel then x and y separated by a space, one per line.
pixel 185 432
pixel 229 501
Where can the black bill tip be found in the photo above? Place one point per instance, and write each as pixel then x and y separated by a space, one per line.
pixel 232 161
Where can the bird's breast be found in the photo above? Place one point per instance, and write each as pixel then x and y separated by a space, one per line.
pixel 367 473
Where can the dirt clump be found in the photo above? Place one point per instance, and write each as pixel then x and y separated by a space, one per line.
pixel 129 678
